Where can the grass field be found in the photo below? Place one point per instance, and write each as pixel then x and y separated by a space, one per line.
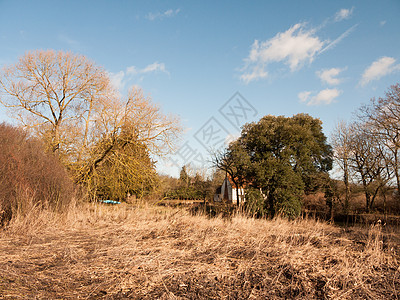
pixel 117 252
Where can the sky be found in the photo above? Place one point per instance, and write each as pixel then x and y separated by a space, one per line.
pixel 220 64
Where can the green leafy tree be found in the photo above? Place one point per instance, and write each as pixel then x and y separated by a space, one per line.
pixel 281 157
pixel 184 177
pixel 254 205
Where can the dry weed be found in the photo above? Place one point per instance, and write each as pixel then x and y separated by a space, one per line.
pixel 117 252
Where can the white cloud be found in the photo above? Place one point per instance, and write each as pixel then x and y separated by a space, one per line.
pixel 117 79
pixel 231 138
pixel 383 66
pixel 121 78
pixel 329 75
pixel 343 14
pixel 258 72
pixel 161 15
pixel 323 97
pixel 382 23
pixel 171 12
pixel 303 96
pixel 131 70
pixel 293 47
pixel 154 67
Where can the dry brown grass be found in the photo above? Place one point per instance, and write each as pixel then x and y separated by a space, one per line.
pixel 121 252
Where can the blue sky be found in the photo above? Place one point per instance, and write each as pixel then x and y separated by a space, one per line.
pixel 324 58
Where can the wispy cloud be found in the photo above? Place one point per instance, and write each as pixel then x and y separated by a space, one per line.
pixel 121 78
pixel 117 79
pixel 379 68
pixel 343 14
pixel 304 96
pixel 155 67
pixel 231 138
pixel 329 76
pixel 324 97
pixel 294 47
pixel 132 70
pixel 257 72
pixel 332 44
pixel 161 15
pixel 382 23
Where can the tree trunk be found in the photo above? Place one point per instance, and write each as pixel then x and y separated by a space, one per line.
pixel 396 170
pixel 271 207
pixel 366 192
pixel 85 137
pixel 237 194
pixel 371 204
pixel 347 186
pixel 368 201
pixel 56 139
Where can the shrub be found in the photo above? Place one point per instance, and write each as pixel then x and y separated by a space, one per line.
pixel 254 205
pixel 29 177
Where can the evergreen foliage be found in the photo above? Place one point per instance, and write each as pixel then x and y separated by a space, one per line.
pixel 281 157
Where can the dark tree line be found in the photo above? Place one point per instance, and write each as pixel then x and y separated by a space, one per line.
pixel 191 185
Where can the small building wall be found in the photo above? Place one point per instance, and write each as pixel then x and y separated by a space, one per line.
pixel 234 195
pixel 228 193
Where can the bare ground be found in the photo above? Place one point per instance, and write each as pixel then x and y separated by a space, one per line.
pixel 147 253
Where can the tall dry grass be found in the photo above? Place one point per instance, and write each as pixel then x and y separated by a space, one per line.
pixel 115 252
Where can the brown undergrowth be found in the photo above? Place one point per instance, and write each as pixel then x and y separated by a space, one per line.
pixel 121 252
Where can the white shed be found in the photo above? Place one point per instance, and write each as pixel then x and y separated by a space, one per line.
pixel 227 192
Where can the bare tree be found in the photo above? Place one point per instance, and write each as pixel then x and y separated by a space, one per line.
pixel 383 118
pixel 54 93
pixel 119 126
pixel 368 162
pixel 136 120
pixel 360 156
pixel 70 103
pixel 342 151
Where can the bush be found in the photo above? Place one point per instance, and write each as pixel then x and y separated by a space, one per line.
pixel 28 176
pixel 254 204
